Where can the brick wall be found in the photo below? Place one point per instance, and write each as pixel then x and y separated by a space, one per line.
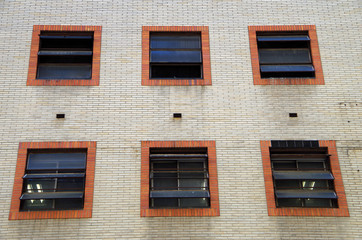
pixel 236 114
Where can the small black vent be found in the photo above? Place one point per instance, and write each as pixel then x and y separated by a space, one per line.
pixel 60 115
pixel 177 115
pixel 294 144
pixel 293 115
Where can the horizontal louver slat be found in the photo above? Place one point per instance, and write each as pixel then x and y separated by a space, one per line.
pixel 179 194
pixel 305 194
pixel 51 195
pixel 298 175
pixel 54 175
pixel 286 68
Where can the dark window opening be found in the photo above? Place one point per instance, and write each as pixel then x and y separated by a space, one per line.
pixel 302 177
pixel 54 181
pixel 285 55
pixel 175 55
pixel 65 55
pixel 179 178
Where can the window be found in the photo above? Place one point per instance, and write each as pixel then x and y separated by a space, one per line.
pixel 65 55
pixel 179 179
pixel 52 177
pixel 54 181
pixel 175 56
pixel 285 55
pixel 305 178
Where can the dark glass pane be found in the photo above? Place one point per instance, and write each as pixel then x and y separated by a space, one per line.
pixel 289 202
pixel 42 59
pixel 177 42
pixel 286 68
pixel 39 185
pixel 284 38
pixel 287 184
pixel 165 183
pixel 68 204
pixel 317 202
pixel 38 161
pixel 164 166
pixel 284 165
pixel 82 44
pixel 193 184
pixel 272 56
pixel 192 166
pixel 283 44
pixel 36 205
pixel 175 57
pixel 315 184
pixel 164 202
pixel 311 165
pixel 70 184
pixel 287 74
pixel 64 71
pixel 176 71
pixel 194 202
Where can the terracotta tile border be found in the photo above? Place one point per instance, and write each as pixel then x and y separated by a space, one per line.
pixel 205 45
pixel 316 59
pixel 33 61
pixel 16 214
pixel 145 180
pixel 341 211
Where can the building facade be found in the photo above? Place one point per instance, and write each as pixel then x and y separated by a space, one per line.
pixel 240 113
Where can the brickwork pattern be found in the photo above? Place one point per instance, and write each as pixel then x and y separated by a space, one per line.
pixel 120 113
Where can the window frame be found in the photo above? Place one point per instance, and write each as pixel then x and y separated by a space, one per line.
pixel 205 52
pixel 33 59
pixel 314 51
pixel 340 211
pixel 146 211
pixel 24 148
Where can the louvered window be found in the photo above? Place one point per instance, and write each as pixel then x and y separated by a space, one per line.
pixel 302 177
pixel 54 181
pixel 65 55
pixel 175 55
pixel 285 55
pixel 179 178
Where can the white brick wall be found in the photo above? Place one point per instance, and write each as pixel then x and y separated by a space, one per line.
pixel 120 113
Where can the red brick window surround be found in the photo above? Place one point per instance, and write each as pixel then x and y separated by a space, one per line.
pixel 340 211
pixel 310 31
pixel 23 152
pixel 147 211
pixel 205 52
pixel 38 30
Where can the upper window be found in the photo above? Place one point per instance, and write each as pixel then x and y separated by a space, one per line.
pixel 179 179
pixel 65 55
pixel 285 55
pixel 305 175
pixel 51 177
pixel 175 56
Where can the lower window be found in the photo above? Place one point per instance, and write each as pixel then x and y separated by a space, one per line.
pixel 179 178
pixel 54 181
pixel 52 177
pixel 303 178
